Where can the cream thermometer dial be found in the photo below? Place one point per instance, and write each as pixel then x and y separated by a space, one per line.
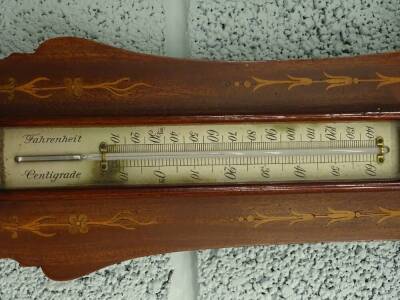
pixel 198 154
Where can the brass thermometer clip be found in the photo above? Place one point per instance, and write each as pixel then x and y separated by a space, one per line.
pixel 381 149
pixel 103 159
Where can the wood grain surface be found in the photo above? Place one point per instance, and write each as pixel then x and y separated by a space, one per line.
pixel 70 81
pixel 70 233
pixel 70 76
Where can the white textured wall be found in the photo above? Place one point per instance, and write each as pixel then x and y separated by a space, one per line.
pixel 218 29
pixel 131 24
pixel 318 271
pixel 281 29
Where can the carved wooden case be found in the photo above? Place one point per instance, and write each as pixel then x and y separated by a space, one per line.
pixel 74 82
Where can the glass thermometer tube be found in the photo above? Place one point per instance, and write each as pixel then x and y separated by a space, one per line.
pixel 373 150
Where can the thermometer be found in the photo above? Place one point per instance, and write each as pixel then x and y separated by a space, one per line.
pixel 108 155
pixel 199 154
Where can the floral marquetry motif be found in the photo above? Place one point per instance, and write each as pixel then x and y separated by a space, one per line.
pixel 332 216
pixel 123 87
pixel 330 81
pixel 78 224
pixel 42 88
pixel 46 226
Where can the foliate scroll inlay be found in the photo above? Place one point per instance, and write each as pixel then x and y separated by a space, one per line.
pixel 48 226
pixel 330 81
pixel 330 217
pixel 44 88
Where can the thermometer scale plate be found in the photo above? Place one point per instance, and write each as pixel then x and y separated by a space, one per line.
pixel 199 154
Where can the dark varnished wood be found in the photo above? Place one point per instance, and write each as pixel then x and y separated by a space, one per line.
pixel 79 76
pixel 156 120
pixel 186 219
pixel 71 232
